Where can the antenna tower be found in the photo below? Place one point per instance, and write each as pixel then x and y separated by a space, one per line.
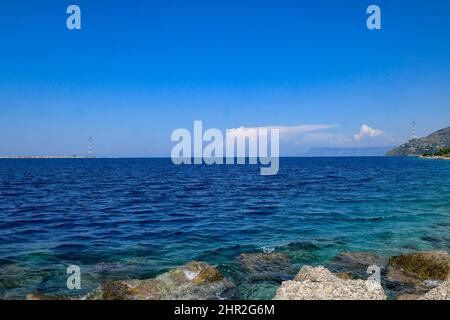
pixel 90 153
pixel 414 135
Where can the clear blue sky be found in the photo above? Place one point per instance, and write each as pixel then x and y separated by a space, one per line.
pixel 139 69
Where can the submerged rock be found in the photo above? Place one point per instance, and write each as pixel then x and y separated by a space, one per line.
pixel 421 266
pixel 408 296
pixel 36 296
pixel 441 292
pixel 258 275
pixel 404 285
pixel 195 280
pixel 265 266
pixel 356 263
pixel 254 262
pixel 413 275
pixel 320 284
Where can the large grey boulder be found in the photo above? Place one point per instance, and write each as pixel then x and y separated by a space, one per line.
pixel 441 292
pixel 320 284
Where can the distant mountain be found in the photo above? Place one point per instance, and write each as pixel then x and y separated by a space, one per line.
pixel 430 144
pixel 347 152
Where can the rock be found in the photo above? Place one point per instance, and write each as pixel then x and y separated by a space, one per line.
pixel 14 279
pixel 314 274
pixel 414 274
pixel 254 262
pixel 36 296
pixel 434 265
pixel 195 280
pixel 320 284
pixel 258 275
pixel 116 290
pixel 202 272
pixel 408 296
pixel 265 266
pixel 357 262
pixel 151 289
pixel 365 259
pixel 432 283
pixel 439 293
pixel 345 276
pixel 401 283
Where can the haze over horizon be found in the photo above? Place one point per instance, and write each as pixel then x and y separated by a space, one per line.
pixel 138 70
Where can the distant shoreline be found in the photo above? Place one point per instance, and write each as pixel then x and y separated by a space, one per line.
pixel 168 157
pixel 435 157
pixel 45 157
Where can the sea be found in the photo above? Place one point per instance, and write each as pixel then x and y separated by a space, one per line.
pixel 136 218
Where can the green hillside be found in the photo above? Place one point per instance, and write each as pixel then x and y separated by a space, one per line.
pixel 429 145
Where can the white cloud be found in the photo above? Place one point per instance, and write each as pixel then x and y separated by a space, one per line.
pixel 298 139
pixel 367 131
pixel 327 139
pixel 286 130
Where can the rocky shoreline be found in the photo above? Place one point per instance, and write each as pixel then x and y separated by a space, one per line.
pixel 415 276
pixel 436 157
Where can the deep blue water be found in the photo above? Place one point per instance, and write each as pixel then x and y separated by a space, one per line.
pixel 135 218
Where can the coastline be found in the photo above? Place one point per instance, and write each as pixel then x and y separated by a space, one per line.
pixel 46 157
pixel 435 157
pixel 411 276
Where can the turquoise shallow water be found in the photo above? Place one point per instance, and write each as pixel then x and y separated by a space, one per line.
pixel 135 218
